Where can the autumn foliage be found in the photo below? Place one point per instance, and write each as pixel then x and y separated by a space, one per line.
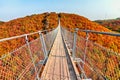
pixel 1 22
pixel 73 21
pixel 100 49
pixel 112 24
pixel 25 25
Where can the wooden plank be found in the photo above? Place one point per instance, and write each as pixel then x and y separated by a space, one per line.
pixel 72 60
pixel 56 67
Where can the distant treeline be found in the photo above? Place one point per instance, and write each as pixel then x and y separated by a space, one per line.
pixel 112 24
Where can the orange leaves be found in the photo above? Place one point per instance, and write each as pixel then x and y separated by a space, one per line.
pixel 75 21
pixel 105 61
pixel 110 24
pixel 21 26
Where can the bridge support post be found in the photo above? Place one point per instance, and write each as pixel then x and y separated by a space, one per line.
pixel 32 59
pixel 74 43
pixel 86 44
pixel 43 45
pixel 85 52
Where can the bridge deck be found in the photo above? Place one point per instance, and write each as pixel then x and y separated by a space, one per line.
pixel 56 67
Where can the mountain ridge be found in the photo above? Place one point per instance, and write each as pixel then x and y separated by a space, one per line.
pixel 112 24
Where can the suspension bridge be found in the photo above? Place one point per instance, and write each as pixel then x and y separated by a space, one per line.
pixel 59 54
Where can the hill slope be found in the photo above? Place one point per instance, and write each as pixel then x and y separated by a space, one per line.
pixel 1 22
pixel 39 22
pixel 107 62
pixel 28 24
pixel 72 21
pixel 25 25
pixel 113 24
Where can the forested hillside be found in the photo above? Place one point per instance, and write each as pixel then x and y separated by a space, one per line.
pixel 72 21
pixel 25 25
pixel 97 57
pixel 1 22
pixel 112 24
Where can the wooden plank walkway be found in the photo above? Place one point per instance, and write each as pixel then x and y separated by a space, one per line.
pixel 56 67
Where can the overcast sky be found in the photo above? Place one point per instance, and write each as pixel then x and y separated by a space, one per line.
pixel 92 9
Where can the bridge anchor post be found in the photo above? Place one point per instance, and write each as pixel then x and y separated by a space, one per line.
pixel 43 45
pixel 32 59
pixel 74 43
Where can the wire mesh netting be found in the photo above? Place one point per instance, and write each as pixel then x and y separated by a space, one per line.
pixel 49 39
pixel 93 60
pixel 103 61
pixel 14 65
pixel 37 53
pixel 68 37
pixel 26 62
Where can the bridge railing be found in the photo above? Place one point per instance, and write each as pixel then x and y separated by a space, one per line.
pixel 26 62
pixel 49 39
pixel 69 37
pixel 93 60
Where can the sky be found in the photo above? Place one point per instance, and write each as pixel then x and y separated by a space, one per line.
pixel 92 9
